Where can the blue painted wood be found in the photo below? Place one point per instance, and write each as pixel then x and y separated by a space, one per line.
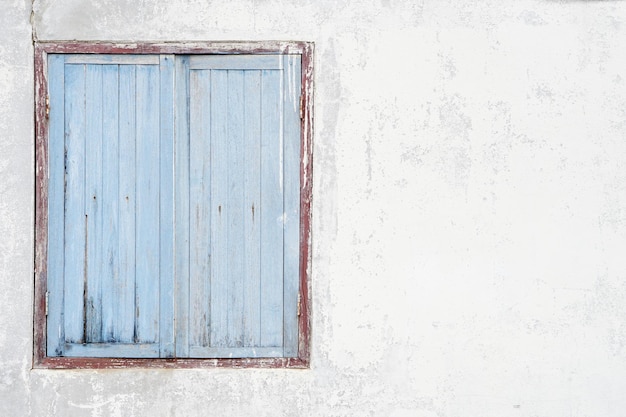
pixel 75 219
pixel 56 185
pixel 200 207
pixel 181 169
pixel 271 210
pixel 112 59
pixel 110 201
pixel 147 208
pixel 236 210
pixel 236 352
pixel 291 182
pixel 252 114
pixel 108 350
pixel 252 209
pixel 93 203
pixel 115 214
pixel 219 210
pixel 166 207
pixel 235 62
pixel 124 288
pixel 195 180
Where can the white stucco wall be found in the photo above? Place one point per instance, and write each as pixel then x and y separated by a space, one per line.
pixel 469 215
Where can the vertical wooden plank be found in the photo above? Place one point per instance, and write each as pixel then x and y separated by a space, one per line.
pixel 110 200
pixel 219 209
pixel 252 196
pixel 166 203
pixel 75 244
pixel 291 175
pixel 236 209
pixel 56 185
pixel 181 173
pixel 200 206
pixel 93 203
pixel 147 208
pixel 271 210
pixel 124 285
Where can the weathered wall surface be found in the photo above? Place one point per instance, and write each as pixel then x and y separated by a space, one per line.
pixel 469 215
pixel 16 206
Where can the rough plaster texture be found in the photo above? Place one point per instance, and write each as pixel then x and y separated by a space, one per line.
pixel 469 221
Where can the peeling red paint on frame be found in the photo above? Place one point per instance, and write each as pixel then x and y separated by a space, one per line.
pixel 41 204
pixel 306 50
pixel 306 181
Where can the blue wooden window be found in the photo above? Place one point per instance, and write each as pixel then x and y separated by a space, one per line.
pixel 173 206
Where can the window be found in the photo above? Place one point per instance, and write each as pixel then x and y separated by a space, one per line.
pixel 173 195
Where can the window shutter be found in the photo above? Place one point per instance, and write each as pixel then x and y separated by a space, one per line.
pixel 237 205
pixel 174 206
pixel 110 212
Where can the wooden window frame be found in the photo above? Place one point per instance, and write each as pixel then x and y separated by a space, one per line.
pixel 42 49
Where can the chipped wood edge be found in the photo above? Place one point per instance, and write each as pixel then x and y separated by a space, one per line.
pixel 41 207
pixel 221 47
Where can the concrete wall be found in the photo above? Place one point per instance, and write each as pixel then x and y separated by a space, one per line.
pixel 469 221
